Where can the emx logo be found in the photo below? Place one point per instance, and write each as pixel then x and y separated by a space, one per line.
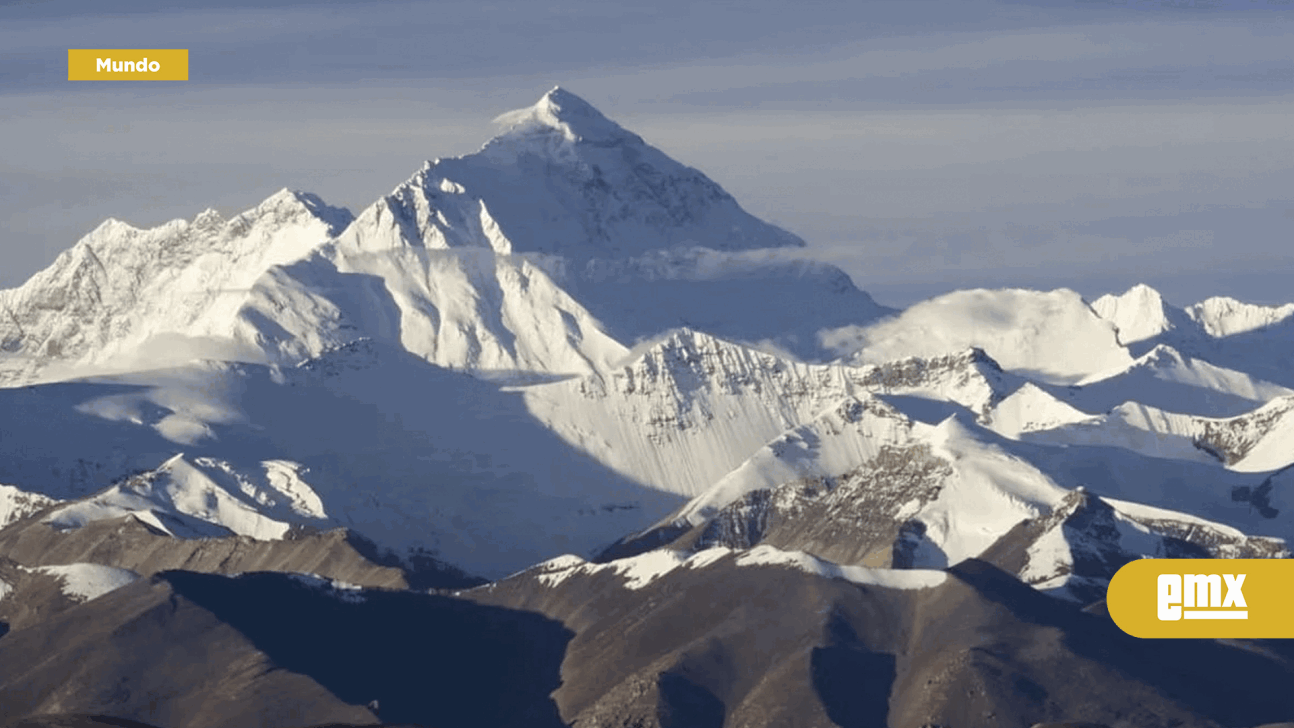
pixel 1205 598
pixel 1202 598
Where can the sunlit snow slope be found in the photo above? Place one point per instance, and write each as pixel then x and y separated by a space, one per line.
pixel 567 341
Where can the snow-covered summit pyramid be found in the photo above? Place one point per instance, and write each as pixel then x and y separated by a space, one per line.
pixel 574 118
pixel 562 179
pixel 646 243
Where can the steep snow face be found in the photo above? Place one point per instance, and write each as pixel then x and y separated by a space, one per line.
pixel 1222 317
pixel 83 582
pixel 1031 408
pixel 855 431
pixel 1168 380
pixel 852 432
pixel 466 309
pixel 688 408
pixel 115 296
pixel 206 498
pixel 1138 314
pixel 16 504
pixel 1054 336
pixel 990 490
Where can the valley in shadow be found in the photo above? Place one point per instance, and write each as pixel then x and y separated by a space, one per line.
pixel 427 659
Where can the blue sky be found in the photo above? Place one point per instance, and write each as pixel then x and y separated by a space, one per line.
pixel 923 146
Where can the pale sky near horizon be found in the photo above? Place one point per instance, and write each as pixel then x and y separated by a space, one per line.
pixel 923 145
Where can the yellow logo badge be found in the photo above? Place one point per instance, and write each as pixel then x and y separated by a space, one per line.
pixel 127 64
pixel 1204 598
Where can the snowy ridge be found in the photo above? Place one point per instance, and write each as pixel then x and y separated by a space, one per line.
pixel 16 504
pixel 1227 333
pixel 1054 335
pixel 123 294
pixel 205 497
pixel 989 491
pixel 1163 377
pixel 851 432
pixel 692 398
pixel 1140 313
pixel 1221 316
pixel 640 571
pixel 887 578
pixel 83 582
pixel 1131 426
pixel 1256 441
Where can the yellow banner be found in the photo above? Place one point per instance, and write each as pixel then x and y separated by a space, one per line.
pixel 133 64
pixel 1204 598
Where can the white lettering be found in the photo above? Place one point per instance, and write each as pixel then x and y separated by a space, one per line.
pixel 1203 590
pixel 1200 597
pixel 154 66
pixel 1170 594
pixel 102 64
pixel 1235 598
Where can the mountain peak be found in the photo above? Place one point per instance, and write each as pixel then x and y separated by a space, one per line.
pixel 1138 314
pixel 289 203
pixel 1222 316
pixel 562 111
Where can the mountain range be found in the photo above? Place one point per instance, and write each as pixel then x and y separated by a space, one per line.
pixel 557 434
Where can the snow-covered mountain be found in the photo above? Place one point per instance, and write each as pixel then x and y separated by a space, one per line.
pixel 134 297
pixel 1054 336
pixel 576 367
pixel 469 264
pixel 1256 340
